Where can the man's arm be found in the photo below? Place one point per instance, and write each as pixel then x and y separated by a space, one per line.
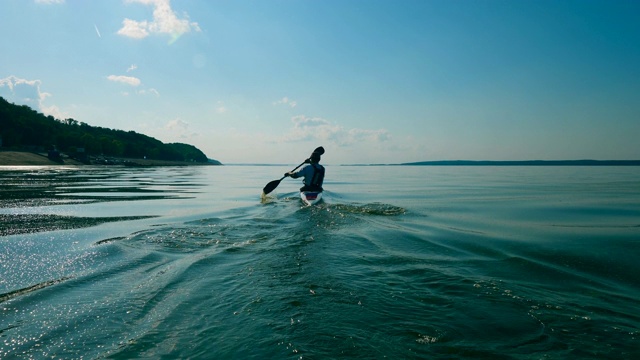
pixel 297 174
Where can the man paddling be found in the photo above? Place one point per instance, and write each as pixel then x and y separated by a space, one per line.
pixel 313 172
pixel 272 185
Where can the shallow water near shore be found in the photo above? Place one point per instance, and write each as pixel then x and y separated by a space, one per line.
pixel 397 262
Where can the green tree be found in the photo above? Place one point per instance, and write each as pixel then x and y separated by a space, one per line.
pixel 22 126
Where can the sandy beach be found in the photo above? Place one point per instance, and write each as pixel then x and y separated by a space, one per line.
pixel 17 158
pixel 24 158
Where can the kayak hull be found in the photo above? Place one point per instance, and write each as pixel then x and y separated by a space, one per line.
pixel 311 197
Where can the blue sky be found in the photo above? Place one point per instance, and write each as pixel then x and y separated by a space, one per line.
pixel 373 81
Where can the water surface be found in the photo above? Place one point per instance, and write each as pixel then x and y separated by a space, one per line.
pixel 398 262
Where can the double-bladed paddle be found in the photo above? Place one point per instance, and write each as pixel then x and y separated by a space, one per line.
pixel 274 184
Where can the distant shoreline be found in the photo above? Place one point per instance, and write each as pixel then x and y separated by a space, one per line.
pixel 527 163
pixel 26 158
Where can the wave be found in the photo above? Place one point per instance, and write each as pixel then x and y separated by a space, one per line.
pixel 16 224
pixel 14 294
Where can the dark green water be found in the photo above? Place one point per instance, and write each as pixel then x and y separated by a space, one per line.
pixel 399 262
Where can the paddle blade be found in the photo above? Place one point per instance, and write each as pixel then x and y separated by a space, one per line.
pixel 271 186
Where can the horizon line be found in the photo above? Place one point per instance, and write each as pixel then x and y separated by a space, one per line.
pixel 581 162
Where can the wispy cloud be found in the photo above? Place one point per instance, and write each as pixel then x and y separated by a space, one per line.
pixel 380 135
pixel 151 91
pixel 165 21
pixel 177 124
pixel 178 130
pixel 315 128
pixel 286 101
pixel 27 92
pixel 129 80
pixel 48 2
pixel 220 108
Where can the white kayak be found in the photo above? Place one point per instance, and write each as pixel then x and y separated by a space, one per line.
pixel 311 197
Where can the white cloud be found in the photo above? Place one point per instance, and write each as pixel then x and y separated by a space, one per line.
pixel 315 128
pixel 165 21
pixel 24 91
pixel 130 80
pixel 286 101
pixel 134 29
pixel 27 92
pixel 53 111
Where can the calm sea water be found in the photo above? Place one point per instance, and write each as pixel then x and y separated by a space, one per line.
pixel 398 262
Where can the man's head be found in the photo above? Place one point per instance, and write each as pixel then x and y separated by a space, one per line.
pixel 315 156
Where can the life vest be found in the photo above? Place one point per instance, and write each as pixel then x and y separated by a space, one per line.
pixel 316 179
pixel 318 176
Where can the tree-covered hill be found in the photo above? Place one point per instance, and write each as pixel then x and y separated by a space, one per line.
pixel 22 127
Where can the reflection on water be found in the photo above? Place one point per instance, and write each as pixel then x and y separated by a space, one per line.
pixel 42 186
